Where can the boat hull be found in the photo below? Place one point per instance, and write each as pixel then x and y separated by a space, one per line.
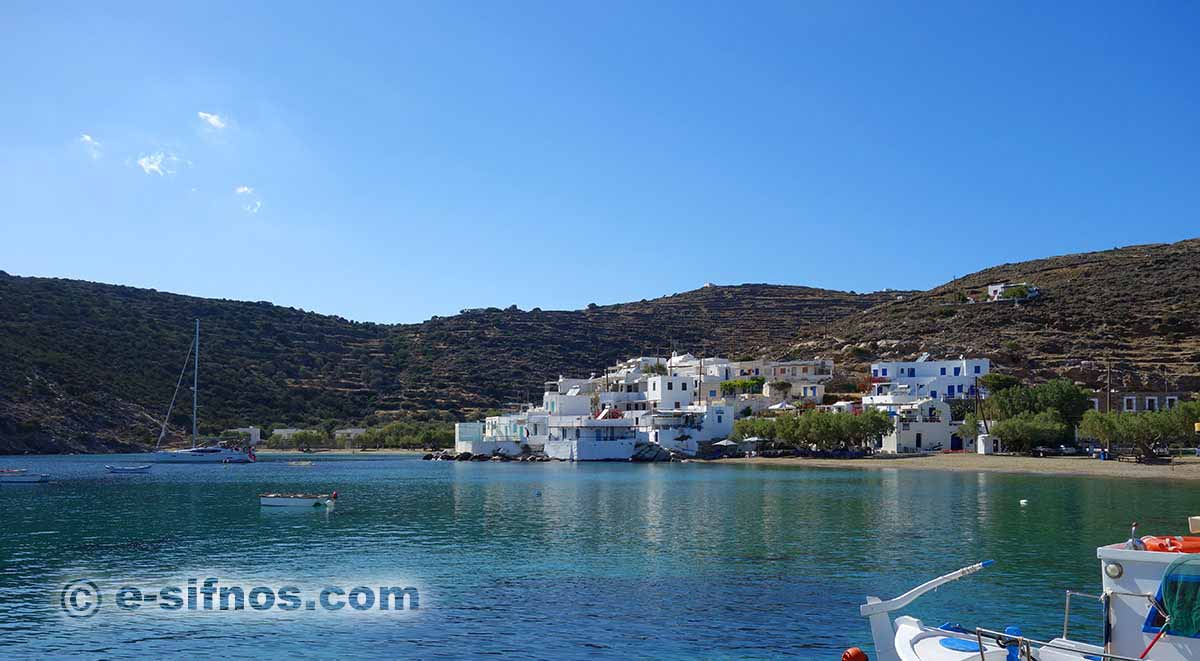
pixel 295 501
pixel 27 478
pixel 221 456
pixel 128 469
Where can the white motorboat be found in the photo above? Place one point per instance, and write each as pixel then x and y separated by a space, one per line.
pixel 1150 605
pixel 21 476
pixel 300 464
pixel 297 499
pixel 197 454
pixel 145 468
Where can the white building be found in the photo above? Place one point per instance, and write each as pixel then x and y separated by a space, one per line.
pixel 936 379
pixel 674 402
pixel 921 426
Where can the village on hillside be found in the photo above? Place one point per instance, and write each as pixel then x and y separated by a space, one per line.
pixel 652 408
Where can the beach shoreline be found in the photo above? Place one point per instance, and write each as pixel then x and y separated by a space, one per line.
pixel 385 451
pixel 1180 468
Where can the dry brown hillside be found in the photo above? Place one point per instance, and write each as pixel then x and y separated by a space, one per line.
pixel 1138 306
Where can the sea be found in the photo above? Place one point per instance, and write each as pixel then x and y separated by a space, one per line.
pixel 435 560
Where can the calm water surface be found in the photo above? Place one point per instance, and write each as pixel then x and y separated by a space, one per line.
pixel 610 560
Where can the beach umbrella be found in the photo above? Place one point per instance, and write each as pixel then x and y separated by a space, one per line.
pixel 725 443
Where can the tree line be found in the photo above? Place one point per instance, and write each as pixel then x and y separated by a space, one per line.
pixel 824 430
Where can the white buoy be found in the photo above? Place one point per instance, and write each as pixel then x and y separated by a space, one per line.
pixel 1024 502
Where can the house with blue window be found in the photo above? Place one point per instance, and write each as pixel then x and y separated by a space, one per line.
pixel 933 379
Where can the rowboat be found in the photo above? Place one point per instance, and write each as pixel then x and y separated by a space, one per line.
pixel 20 476
pixel 297 499
pixel 144 468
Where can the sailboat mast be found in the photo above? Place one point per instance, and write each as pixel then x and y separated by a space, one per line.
pixel 195 383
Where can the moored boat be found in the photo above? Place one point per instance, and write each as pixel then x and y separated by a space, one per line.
pixel 21 476
pixel 1150 610
pixel 300 464
pixel 144 468
pixel 297 499
pixel 197 454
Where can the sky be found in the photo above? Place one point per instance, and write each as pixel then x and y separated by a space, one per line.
pixel 388 162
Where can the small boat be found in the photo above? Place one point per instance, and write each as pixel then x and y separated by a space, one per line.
pixel 297 499
pixel 300 464
pixel 21 476
pixel 1150 608
pixel 144 468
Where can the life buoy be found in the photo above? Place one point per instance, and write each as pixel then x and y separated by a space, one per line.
pixel 1172 544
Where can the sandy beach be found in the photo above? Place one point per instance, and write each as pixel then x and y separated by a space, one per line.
pixel 367 453
pixel 1181 468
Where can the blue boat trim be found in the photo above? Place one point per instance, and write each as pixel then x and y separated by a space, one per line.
pixel 959 645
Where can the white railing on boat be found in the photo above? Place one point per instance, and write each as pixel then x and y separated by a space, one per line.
pixel 1025 646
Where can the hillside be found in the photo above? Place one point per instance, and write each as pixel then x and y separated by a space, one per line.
pixel 89 367
pixel 1136 306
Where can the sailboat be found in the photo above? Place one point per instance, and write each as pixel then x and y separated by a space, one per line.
pixel 207 454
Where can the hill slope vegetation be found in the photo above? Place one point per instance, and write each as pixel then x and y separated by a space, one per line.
pixel 90 366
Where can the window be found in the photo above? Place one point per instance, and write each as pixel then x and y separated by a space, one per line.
pixel 712 393
pixel 676 404
pixel 918 440
pixel 943 371
pixel 670 385
pixel 1171 401
pixel 874 372
pixel 957 371
pixel 683 386
pixel 718 419
pixel 960 387
pixel 1130 403
pixel 654 385
pixel 883 371
pixel 912 371
pixel 977 369
pixel 933 394
pixel 1151 403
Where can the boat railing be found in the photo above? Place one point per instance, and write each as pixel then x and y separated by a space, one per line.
pixel 1025 646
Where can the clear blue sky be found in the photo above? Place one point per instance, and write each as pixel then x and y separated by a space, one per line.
pixel 400 160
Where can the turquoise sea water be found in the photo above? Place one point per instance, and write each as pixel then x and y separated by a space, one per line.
pixel 554 560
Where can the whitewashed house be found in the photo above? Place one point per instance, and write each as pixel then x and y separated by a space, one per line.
pixel 936 379
pixel 921 426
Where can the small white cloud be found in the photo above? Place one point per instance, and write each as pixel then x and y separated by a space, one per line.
pixel 92 146
pixel 252 200
pixel 212 119
pixel 159 163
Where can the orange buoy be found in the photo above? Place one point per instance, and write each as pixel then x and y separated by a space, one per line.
pixel 854 654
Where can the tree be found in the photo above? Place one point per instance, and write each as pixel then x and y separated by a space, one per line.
pixel 1011 402
pixel 994 382
pixel 782 386
pixel 1023 432
pixel 871 424
pixel 1070 400
pixel 1103 427
pixel 969 427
